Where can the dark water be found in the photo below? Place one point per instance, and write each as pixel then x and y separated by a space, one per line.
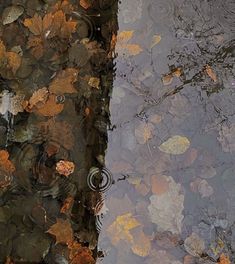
pixel 119 151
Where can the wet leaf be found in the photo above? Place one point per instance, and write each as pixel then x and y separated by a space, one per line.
pixel 63 82
pixel 85 4
pixel 155 119
pixel 11 14
pixel 5 163
pixel 65 167
pixel 166 209
pixel 120 228
pixel 227 137
pixel 144 132
pixel 51 107
pixel 36 45
pixel 205 189
pixel 194 245
pixel 38 99
pixel 211 73
pixel 11 103
pixel 224 259
pixel 63 5
pixel 167 79
pixel 155 40
pixel 94 82
pixel 142 244
pixel 160 184
pixel 9 261
pixel 62 230
pixel 67 205
pixel 79 254
pixel 175 145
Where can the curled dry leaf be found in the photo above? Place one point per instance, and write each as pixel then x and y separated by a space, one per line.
pixel 175 145
pixel 211 73
pixel 120 228
pixel 51 107
pixel 65 167
pixel 63 82
pixel 62 230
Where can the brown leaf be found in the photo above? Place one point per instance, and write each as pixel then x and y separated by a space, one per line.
pixel 51 107
pixel 5 163
pixel 85 4
pixel 67 206
pixel 224 259
pixel 36 45
pixel 211 73
pixel 65 167
pixel 94 82
pixel 63 5
pixel 160 184
pixel 38 99
pixel 62 230
pixel 79 254
pixel 34 24
pixel 63 82
pixel 142 244
pixel 144 132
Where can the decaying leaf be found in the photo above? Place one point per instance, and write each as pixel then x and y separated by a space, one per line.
pixel 120 228
pixel 142 244
pixel 155 40
pixel 175 145
pixel 194 245
pixel 11 14
pixel 94 82
pixel 211 73
pixel 63 82
pixel 65 167
pixel 51 107
pixel 11 103
pixel 62 230
pixel 144 132
pixel 123 45
pixel 67 205
pixel 63 5
pixel 79 254
pixel 166 209
pixel 224 259
pixel 6 169
pixel 38 99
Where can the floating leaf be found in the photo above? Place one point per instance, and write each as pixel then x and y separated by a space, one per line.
pixel 166 209
pixel 51 107
pixel 11 14
pixel 160 184
pixel 142 244
pixel 205 189
pixel 79 254
pixel 211 73
pixel 85 4
pixel 62 230
pixel 67 205
pixel 65 167
pixel 194 245
pixel 63 82
pixel 224 259
pixel 120 228
pixel 144 132
pixel 175 145
pixel 155 40
pixel 167 79
pixel 38 99
pixel 227 137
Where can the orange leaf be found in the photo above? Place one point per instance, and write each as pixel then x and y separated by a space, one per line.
pixel 211 73
pixel 62 230
pixel 51 107
pixel 34 24
pixel 14 61
pixel 38 98
pixel 63 5
pixel 67 206
pixel 85 4
pixel 79 254
pixel 63 82
pixel 65 167
pixel 224 259
pixel 5 163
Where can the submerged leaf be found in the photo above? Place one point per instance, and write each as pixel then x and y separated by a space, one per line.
pixel 211 73
pixel 144 132
pixel 141 245
pixel 51 107
pixel 155 40
pixel 11 14
pixel 65 167
pixel 194 245
pixel 175 145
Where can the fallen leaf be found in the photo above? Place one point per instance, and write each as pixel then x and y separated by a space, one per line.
pixel 194 245
pixel 175 145
pixel 6 169
pixel 79 254
pixel 188 259
pixel 51 107
pixel 94 82
pixel 142 244
pixel 142 188
pixel 227 137
pixel 167 79
pixel 63 5
pixel 155 119
pixel 211 73
pixel 165 210
pixel 11 14
pixel 36 45
pixel 177 72
pixel 67 205
pixel 155 40
pixel 205 189
pixel 62 230
pixel 63 82
pixel 65 167
pixel 224 259
pixel 38 99
pixel 160 184
pixel 120 228
pixel 11 103
pixel 144 132
pixel 85 4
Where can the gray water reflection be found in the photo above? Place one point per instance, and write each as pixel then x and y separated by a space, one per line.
pixel 167 208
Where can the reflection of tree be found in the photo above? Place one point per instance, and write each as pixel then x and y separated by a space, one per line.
pixel 38 196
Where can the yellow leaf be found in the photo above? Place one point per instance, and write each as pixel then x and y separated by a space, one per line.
pixel 211 73
pixel 124 36
pixel 224 259
pixel 133 49
pixel 144 132
pixel 175 145
pixel 155 40
pixel 142 244
pixel 94 82
pixel 120 228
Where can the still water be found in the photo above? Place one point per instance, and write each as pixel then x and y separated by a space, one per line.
pixel 117 132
